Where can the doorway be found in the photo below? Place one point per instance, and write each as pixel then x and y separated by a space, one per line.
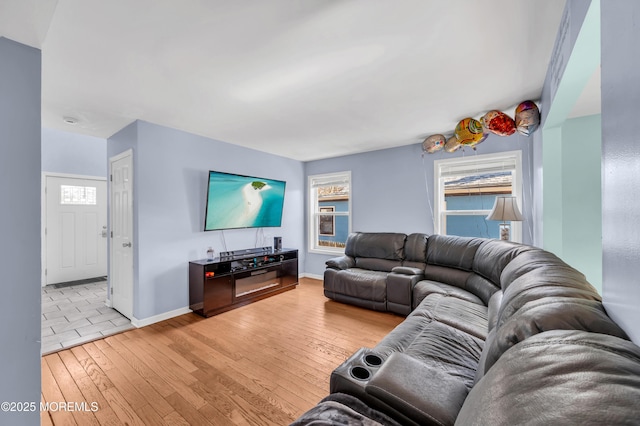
pixel 121 233
pixel 75 228
pixel 74 263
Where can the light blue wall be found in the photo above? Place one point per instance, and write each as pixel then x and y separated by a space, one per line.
pixel 577 58
pixel 20 68
pixel 581 194
pixel 570 191
pixel 620 24
pixel 564 63
pixel 552 204
pixel 170 184
pixel 546 217
pixel 389 192
pixel 73 153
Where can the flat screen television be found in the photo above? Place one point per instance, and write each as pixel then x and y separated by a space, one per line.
pixel 237 201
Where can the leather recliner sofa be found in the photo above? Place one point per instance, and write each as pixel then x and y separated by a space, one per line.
pixel 496 333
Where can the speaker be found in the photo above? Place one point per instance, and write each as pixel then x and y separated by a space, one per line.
pixel 277 243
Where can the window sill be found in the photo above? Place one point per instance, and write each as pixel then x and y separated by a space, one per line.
pixel 327 252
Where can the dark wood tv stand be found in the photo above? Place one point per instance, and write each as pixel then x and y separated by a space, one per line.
pixel 225 283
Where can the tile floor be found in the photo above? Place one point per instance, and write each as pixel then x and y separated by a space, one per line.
pixel 77 314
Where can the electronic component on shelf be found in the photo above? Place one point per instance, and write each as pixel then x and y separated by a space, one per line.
pixel 255 262
pixel 246 252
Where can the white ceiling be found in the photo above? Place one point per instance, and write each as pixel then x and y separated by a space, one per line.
pixel 305 79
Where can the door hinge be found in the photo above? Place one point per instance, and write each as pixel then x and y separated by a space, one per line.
pixel 111 291
pixel 111 234
pixel 45 271
pixel 110 178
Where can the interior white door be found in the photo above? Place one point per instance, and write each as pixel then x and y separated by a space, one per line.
pixel 75 229
pixel 121 276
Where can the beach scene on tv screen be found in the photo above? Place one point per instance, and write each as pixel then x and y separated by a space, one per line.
pixel 243 202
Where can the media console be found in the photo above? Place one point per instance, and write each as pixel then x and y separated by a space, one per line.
pixel 240 277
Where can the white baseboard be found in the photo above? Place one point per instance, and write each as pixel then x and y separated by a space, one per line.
pixel 157 318
pixel 177 312
pixel 313 276
pixel 108 303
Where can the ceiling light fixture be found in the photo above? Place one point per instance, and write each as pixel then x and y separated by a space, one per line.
pixel 71 121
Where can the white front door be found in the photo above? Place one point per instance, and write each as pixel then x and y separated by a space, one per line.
pixel 75 228
pixel 121 276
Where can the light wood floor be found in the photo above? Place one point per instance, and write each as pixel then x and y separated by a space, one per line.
pixel 265 363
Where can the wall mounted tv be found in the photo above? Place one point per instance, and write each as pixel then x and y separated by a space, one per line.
pixel 236 201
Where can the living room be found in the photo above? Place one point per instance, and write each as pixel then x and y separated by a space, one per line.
pixel 388 188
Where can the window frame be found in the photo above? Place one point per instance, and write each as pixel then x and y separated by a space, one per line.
pixel 332 218
pixel 313 217
pixel 78 195
pixel 473 165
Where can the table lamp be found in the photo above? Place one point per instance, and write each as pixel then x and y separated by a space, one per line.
pixel 505 209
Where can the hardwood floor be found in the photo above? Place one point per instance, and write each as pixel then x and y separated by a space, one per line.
pixel 261 364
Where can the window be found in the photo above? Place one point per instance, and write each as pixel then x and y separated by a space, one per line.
pixel 78 195
pixel 327 222
pixel 329 207
pixel 465 190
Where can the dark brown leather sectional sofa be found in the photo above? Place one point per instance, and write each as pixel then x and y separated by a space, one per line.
pixel 496 333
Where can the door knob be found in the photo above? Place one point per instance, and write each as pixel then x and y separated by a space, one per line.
pixel 126 244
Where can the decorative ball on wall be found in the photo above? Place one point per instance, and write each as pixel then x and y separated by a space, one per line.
pixel 469 132
pixel 499 123
pixel 527 117
pixel 452 144
pixel 433 143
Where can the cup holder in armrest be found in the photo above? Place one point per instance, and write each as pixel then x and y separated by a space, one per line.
pixel 360 373
pixel 373 360
pixel 352 375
